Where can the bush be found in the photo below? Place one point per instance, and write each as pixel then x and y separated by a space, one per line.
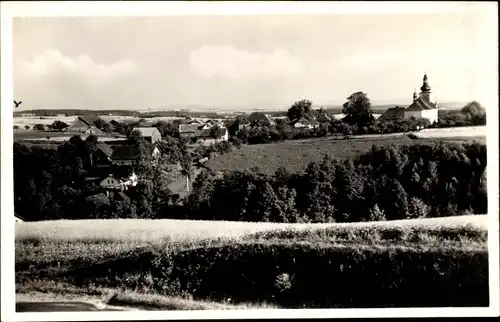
pixel 376 214
pixel 417 208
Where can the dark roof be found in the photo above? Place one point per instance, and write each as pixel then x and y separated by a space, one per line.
pixel 105 148
pixel 259 116
pixel 89 119
pixel 393 113
pixel 189 128
pixel 125 152
pixel 207 133
pixel 420 104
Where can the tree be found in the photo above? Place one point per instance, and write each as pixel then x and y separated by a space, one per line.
pixel 473 108
pixel 58 125
pixel 39 127
pixel 376 214
pixel 107 128
pixel 216 132
pixel 186 164
pixel 358 110
pixel 302 108
pixel 474 112
pixel 27 127
pixel 16 127
pixel 99 123
pixel 417 208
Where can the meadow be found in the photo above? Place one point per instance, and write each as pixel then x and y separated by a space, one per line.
pixel 296 155
pixel 229 264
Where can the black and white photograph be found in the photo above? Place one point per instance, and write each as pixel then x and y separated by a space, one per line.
pixel 245 158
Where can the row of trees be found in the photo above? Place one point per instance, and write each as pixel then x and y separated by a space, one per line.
pixel 384 183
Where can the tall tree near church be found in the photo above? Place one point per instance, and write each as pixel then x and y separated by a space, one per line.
pixel 358 110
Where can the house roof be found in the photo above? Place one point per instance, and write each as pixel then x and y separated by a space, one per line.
pixel 207 132
pixel 189 128
pixel 125 152
pixel 305 121
pixel 89 119
pixel 105 148
pixel 94 130
pixel 146 131
pixel 419 105
pixel 259 116
pixel 393 113
pixel 313 122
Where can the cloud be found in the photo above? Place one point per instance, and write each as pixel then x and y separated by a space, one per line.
pixel 228 62
pixel 52 62
pixel 51 79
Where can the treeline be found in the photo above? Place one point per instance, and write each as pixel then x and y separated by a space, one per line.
pixel 382 184
pixel 385 183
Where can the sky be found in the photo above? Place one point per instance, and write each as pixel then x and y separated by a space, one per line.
pixel 265 62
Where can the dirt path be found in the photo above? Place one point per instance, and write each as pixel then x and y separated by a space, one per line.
pixel 49 302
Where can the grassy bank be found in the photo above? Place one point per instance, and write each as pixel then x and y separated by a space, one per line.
pixel 415 263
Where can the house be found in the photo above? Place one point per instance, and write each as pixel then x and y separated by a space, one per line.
pixel 92 130
pixel 256 117
pixel 205 137
pixel 102 156
pixel 202 133
pixel 82 123
pixel 393 113
pixel 117 183
pixel 304 123
pixel 189 130
pixel 191 121
pixel 151 134
pixel 127 155
pixel 424 105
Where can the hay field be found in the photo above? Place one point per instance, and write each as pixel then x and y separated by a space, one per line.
pixel 466 131
pixel 144 230
pixel 21 121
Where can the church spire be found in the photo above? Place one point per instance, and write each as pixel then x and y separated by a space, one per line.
pixel 425 86
pixel 415 95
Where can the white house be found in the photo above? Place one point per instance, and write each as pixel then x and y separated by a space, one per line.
pixel 423 106
pixel 151 134
pixel 111 182
pixel 304 123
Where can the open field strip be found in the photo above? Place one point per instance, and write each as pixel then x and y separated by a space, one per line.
pixel 143 230
pixel 466 131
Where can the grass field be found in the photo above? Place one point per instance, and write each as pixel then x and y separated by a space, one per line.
pixel 235 263
pixel 296 155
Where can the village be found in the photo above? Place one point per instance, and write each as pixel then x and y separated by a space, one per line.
pixel 114 160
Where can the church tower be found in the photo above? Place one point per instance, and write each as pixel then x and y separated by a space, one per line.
pixel 426 92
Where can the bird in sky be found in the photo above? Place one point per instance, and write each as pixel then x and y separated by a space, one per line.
pixel 18 103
